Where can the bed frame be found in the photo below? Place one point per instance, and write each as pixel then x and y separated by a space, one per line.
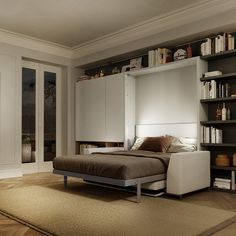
pixel 117 182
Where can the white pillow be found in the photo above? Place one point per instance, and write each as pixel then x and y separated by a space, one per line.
pixel 138 142
pixel 182 145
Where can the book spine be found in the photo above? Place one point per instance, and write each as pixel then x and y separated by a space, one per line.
pixel 213 135
pixel 151 58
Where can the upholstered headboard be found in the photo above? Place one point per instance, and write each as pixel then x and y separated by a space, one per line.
pixel 174 129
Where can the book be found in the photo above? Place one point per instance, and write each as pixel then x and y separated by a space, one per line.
pixel 222 185
pixel 151 58
pixel 212 73
pixel 202 134
pixel 219 135
pixel 213 135
pixel 207 134
pixel 223 180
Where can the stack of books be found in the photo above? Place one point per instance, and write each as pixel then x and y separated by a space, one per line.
pixel 222 183
pixel 222 42
pixel 211 135
pixel 159 56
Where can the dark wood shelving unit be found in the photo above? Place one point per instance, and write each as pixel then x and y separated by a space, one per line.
pixel 218 122
pixel 224 62
pixel 223 167
pixel 219 145
pixel 220 77
pixel 213 100
pixel 220 55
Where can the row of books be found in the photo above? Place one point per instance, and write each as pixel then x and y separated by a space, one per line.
pixel 222 183
pixel 222 42
pixel 211 135
pixel 159 56
pixel 213 89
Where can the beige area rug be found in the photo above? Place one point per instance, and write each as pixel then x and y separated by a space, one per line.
pixel 87 210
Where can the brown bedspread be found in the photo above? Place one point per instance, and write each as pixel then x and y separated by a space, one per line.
pixel 118 165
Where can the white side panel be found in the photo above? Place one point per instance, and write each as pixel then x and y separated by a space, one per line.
pixel 202 67
pixel 7 109
pixel 115 108
pixel 129 111
pixel 167 97
pixel 90 110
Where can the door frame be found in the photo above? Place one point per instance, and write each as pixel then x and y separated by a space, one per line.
pixel 39 165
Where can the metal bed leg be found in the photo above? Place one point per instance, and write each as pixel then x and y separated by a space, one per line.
pixel 65 181
pixel 138 191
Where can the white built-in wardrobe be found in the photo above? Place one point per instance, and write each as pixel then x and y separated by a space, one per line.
pixel 105 109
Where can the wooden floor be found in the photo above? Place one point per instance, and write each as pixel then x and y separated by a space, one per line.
pixel 10 227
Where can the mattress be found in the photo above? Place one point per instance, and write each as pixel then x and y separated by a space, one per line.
pixel 118 165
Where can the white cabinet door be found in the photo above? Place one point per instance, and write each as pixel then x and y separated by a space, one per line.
pixel 90 110
pixel 7 109
pixel 115 108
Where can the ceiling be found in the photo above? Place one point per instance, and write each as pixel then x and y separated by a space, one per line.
pixel 74 22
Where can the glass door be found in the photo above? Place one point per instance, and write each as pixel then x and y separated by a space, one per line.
pixel 50 102
pixel 41 116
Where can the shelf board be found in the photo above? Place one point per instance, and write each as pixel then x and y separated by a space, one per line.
pixel 215 122
pixel 220 55
pixel 223 167
pixel 218 144
pixel 222 190
pixel 219 77
pixel 165 67
pixel 218 99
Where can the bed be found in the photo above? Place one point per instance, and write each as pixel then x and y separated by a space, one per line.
pixel 183 172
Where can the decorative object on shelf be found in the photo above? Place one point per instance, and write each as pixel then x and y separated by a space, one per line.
pixel 84 77
pixel 189 51
pixel 101 73
pixel 136 63
pixel 218 112
pixel 228 113
pixel 223 112
pixel 115 70
pixel 234 159
pixel 125 68
pixel 222 160
pixel 180 54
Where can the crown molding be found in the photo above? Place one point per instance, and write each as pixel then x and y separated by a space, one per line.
pixel 172 20
pixel 32 43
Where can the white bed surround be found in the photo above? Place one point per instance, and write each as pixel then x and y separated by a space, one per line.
pixel 187 171
pixel 174 129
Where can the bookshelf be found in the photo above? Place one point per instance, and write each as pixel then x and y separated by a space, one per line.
pixel 224 62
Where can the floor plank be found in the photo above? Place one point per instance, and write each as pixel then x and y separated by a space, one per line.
pixel 10 227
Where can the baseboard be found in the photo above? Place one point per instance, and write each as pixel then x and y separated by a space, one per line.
pixel 10 173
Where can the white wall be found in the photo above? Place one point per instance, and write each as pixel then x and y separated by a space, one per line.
pixel 167 97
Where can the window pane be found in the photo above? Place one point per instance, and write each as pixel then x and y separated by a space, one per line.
pixel 49 116
pixel 28 114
